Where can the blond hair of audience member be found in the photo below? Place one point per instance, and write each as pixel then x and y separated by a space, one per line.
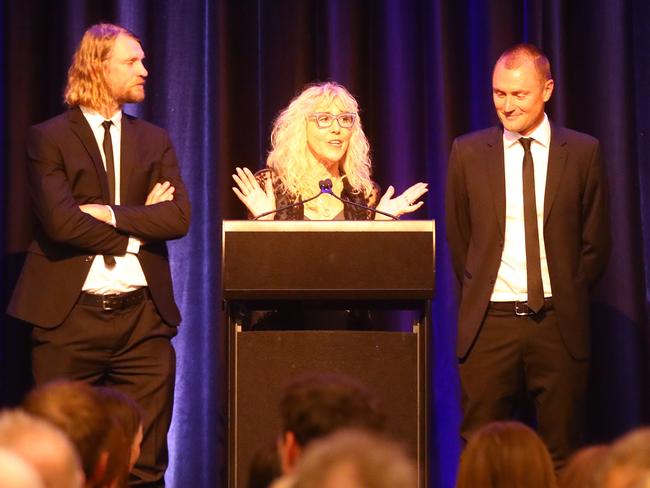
pixel 87 84
pixel 289 157
pixel 46 448
pixel 77 409
pixel 582 467
pixel 15 472
pixel 355 459
pixel 627 464
pixel 505 455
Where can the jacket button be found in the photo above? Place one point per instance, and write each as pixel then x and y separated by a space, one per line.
pixel 492 281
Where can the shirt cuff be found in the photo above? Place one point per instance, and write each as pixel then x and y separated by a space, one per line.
pixel 112 221
pixel 133 246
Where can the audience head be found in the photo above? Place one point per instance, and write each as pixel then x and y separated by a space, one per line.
pixel 316 405
pixel 505 455
pixel 44 447
pixel 128 415
pixel 78 410
pixel 355 459
pixel 582 467
pixel 15 472
pixel 627 464
pixel 305 150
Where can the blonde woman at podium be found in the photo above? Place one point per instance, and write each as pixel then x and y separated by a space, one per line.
pixel 319 165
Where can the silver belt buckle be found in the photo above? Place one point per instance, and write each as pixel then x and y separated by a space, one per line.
pixel 106 303
pixel 522 312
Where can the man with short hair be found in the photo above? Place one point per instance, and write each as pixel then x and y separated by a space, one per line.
pixel 528 229
pixel 77 409
pixel 318 404
pixel 96 285
pixel 44 447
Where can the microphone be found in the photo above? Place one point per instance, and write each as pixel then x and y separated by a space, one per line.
pixel 321 184
pixel 326 187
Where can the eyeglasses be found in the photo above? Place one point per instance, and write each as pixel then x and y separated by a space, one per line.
pixel 324 120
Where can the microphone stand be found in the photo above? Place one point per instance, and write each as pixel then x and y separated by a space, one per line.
pixel 326 187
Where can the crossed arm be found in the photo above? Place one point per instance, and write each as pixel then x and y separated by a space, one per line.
pixel 161 192
pixel 165 214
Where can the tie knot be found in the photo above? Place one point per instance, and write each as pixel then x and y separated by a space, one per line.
pixel 107 125
pixel 526 142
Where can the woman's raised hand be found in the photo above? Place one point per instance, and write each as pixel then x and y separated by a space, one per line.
pixel 258 200
pixel 405 203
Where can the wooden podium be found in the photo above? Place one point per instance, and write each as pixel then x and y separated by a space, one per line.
pixel 383 266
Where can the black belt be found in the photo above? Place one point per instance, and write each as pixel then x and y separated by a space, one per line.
pixel 114 301
pixel 520 308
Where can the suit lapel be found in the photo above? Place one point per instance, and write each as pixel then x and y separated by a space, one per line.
pixel 82 129
pixel 497 175
pixel 127 156
pixel 557 155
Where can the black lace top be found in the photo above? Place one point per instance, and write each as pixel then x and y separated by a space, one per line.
pixel 350 212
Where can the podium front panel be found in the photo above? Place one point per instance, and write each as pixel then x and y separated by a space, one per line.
pixel 266 362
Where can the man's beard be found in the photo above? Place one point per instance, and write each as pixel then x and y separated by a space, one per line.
pixel 132 96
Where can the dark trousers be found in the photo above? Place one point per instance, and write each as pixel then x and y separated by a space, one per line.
pixel 517 356
pixel 129 350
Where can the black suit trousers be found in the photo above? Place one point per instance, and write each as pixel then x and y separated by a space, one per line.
pixel 129 350
pixel 525 356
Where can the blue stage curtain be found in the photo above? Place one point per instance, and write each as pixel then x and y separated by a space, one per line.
pixel 219 72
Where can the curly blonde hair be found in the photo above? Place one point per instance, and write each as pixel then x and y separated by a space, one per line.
pixel 87 84
pixel 289 155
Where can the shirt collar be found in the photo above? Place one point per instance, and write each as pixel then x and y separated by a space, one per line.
pixel 541 134
pixel 95 119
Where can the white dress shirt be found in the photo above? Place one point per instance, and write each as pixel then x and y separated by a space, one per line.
pixel 127 274
pixel 512 283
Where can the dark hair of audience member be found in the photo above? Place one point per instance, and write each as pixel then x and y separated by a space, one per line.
pixel 582 467
pixel 505 455
pixel 264 467
pixel 128 414
pixel 78 410
pixel 315 405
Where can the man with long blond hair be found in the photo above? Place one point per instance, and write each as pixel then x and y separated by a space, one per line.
pixel 96 285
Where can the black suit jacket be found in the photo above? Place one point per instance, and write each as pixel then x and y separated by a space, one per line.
pixel 576 227
pixel 65 170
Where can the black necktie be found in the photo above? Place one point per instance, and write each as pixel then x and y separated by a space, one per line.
pixel 110 174
pixel 533 265
pixel 110 165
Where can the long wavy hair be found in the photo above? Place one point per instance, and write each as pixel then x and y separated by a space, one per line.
pixel 87 84
pixel 289 156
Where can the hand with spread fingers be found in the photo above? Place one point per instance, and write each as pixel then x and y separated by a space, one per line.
pixel 405 203
pixel 258 200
